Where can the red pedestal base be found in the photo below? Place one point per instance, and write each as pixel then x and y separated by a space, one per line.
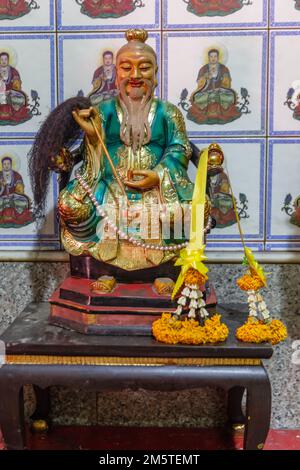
pixel 129 309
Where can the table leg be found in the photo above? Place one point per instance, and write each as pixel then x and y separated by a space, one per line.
pixel 12 415
pixel 40 417
pixel 234 406
pixel 259 396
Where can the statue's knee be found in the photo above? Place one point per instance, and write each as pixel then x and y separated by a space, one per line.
pixel 72 210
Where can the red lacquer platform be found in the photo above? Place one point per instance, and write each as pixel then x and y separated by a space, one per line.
pixel 129 309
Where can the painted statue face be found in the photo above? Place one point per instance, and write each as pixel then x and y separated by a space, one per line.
pixel 107 59
pixel 213 58
pixel 136 68
pixel 4 60
pixel 6 165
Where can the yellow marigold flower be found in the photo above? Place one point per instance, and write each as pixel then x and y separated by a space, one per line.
pixel 256 331
pixel 167 330
pixel 250 282
pixel 193 277
pixel 278 331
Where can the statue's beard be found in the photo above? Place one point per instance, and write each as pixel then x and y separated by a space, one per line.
pixel 135 128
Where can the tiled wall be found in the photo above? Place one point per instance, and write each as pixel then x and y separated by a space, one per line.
pixel 56 48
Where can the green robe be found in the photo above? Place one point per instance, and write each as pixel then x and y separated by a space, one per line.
pixel 167 153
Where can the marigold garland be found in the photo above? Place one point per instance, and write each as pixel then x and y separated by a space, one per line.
pixel 171 331
pixel 250 282
pixel 257 331
pixel 194 277
pixel 259 327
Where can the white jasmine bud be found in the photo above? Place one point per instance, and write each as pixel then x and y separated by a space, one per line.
pixel 204 313
pixel 178 311
pixel 182 301
pixel 262 306
pixel 193 303
pixel 192 313
pixel 186 292
pixel 193 295
pixel 253 313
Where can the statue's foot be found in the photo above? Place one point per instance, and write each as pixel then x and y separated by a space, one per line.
pixel 103 285
pixel 164 285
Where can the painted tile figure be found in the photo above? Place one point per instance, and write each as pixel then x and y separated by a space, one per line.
pixel 108 8
pixel 297 5
pixel 214 101
pixel 292 209
pixel 13 101
pixel 215 7
pixel 104 80
pixel 293 99
pixel 12 9
pixel 295 217
pixel 15 206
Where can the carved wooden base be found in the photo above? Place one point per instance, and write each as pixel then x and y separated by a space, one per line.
pixel 129 309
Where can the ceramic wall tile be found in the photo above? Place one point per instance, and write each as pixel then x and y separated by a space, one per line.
pixel 230 106
pixel 283 212
pixel 27 15
pixel 216 246
pixel 17 246
pixel 284 83
pixel 84 53
pixel 27 87
pixel 218 80
pixel 76 15
pixel 195 14
pixel 283 246
pixel 284 13
pixel 17 217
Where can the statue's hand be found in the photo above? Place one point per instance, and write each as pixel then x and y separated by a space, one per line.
pixel 83 118
pixel 63 162
pixel 150 180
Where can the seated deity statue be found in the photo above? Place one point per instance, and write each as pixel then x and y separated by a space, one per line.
pixel 11 9
pixel 108 8
pixel 13 101
pixel 214 7
pixel 15 206
pixel 214 101
pixel 133 179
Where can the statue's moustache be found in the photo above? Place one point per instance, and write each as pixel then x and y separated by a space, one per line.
pixel 142 83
